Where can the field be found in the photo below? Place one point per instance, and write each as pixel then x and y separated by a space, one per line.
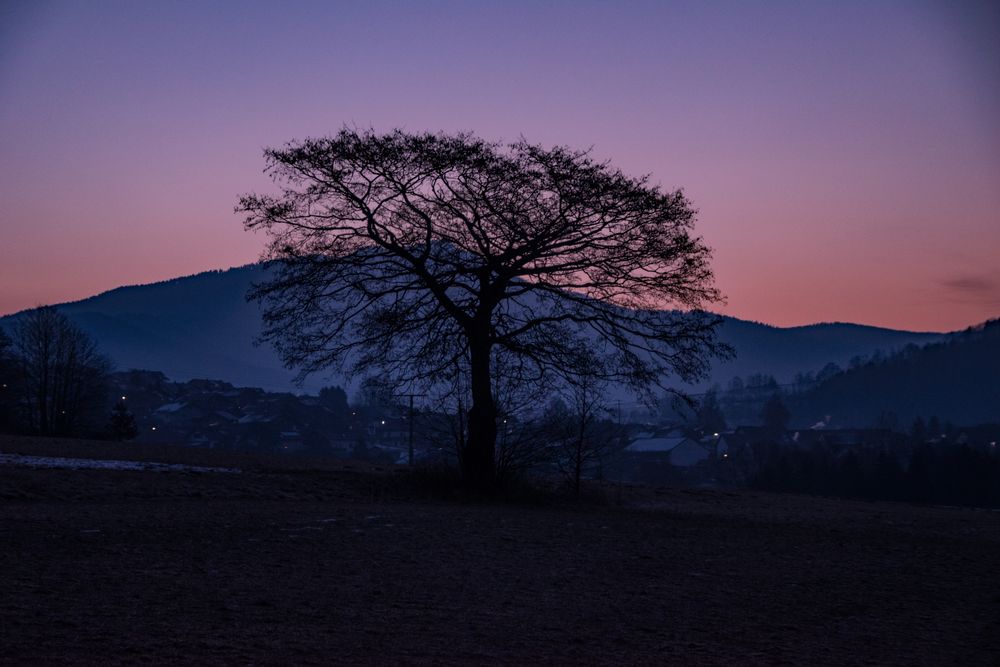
pixel 317 562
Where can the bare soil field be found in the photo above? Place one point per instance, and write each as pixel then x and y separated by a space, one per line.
pixel 311 562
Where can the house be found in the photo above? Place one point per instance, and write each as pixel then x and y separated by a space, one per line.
pixel 678 451
pixel 666 459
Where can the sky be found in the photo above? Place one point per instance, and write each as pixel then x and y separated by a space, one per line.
pixel 844 156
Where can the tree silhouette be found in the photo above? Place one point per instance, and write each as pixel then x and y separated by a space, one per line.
pixel 934 427
pixel 422 256
pixel 335 400
pixel 710 418
pixel 60 374
pixel 775 416
pixel 580 430
pixel 122 422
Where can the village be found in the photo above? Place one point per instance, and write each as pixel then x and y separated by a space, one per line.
pixel 646 447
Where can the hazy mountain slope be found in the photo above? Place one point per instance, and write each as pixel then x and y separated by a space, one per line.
pixel 957 380
pixel 783 352
pixel 201 326
pixel 197 326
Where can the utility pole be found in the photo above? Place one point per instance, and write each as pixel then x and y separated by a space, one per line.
pixel 409 419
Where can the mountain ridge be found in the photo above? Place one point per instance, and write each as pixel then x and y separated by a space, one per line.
pixel 202 326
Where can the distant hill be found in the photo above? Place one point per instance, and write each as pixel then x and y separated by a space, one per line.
pixel 783 352
pixel 198 326
pixel 201 326
pixel 956 380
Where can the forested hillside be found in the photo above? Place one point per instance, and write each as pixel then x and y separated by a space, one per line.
pixel 957 380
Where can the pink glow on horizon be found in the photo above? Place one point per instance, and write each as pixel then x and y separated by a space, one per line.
pixel 845 160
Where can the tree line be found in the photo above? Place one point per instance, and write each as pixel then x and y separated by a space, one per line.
pixel 925 472
pixel 54 381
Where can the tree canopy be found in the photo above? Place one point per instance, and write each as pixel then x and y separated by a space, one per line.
pixel 425 257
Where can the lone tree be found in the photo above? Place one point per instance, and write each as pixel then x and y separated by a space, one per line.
pixel 421 256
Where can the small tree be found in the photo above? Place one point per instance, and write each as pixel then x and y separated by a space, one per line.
pixel 583 434
pixel 710 416
pixel 334 399
pixel 934 431
pixel 337 410
pixel 775 416
pixel 122 424
pixel 415 256
pixel 375 398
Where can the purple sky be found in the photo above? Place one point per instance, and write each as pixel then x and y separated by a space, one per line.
pixel 845 157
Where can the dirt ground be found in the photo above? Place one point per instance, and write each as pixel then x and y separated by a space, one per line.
pixel 284 564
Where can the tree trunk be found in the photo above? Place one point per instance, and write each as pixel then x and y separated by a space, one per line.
pixel 479 457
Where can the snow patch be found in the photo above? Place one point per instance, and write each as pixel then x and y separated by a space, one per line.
pixel 102 464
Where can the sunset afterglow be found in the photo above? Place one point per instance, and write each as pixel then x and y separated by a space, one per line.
pixel 844 157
